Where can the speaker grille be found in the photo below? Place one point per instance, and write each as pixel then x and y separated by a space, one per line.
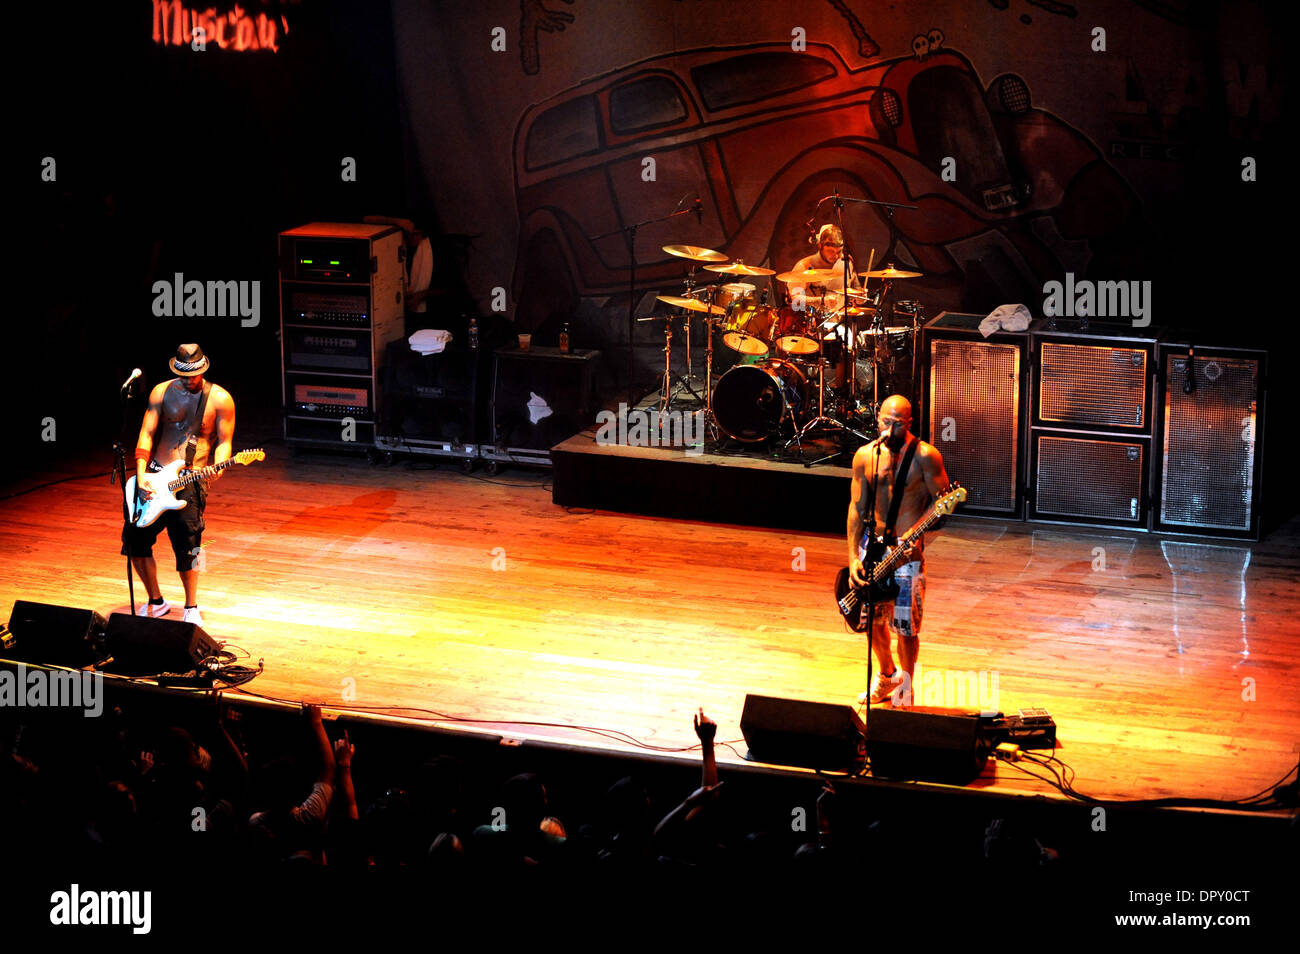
pixel 1093 385
pixel 1089 478
pixel 1209 443
pixel 974 409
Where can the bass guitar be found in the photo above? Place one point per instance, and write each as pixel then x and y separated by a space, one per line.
pixel 166 482
pixel 879 561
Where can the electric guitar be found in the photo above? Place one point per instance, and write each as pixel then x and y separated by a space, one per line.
pixel 879 561
pixel 166 482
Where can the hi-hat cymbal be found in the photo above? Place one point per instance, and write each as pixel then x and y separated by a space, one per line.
pixel 739 268
pixel 891 272
pixel 695 253
pixel 811 276
pixel 690 304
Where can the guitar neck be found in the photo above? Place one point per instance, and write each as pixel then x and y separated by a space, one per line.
pixel 897 551
pixel 194 475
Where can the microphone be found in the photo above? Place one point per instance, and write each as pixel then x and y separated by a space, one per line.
pixel 131 380
pixel 1189 381
pixel 699 210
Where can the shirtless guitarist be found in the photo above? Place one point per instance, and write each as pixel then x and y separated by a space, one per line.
pixel 876 469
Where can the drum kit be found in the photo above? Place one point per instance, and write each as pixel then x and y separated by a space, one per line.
pixel 805 361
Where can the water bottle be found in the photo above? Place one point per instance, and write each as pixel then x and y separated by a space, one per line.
pixel 564 339
pixel 473 333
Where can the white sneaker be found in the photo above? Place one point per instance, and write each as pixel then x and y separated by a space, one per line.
pixel 149 609
pixel 192 615
pixel 882 687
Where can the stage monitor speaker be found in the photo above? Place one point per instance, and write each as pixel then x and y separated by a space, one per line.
pixel 1211 424
pixel 541 397
pixel 1094 479
pixel 815 735
pixel 54 635
pixel 143 646
pixel 1101 386
pixel 976 403
pixel 927 746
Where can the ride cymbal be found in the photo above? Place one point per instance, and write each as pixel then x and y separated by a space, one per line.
pixel 810 276
pixel 690 304
pixel 740 268
pixel 695 253
pixel 891 272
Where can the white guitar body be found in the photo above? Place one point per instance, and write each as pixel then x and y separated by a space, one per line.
pixel 145 512
pixel 165 482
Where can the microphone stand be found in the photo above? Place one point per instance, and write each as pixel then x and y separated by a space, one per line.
pixel 119 470
pixel 630 232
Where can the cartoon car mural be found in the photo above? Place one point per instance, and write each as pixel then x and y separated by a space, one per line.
pixel 761 133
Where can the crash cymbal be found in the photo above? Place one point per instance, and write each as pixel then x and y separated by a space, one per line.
pixel 810 276
pixel 695 253
pixel 690 304
pixel 891 272
pixel 739 268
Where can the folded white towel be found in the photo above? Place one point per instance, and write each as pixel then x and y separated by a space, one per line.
pixel 1005 318
pixel 429 341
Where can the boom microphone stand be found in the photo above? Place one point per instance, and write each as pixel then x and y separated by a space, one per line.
pixel 630 232
pixel 119 470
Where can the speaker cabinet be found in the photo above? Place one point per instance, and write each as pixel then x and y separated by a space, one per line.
pixel 1091 425
pixel 1210 427
pixel 927 746
pixel 540 397
pixel 815 735
pixel 54 635
pixel 434 402
pixel 143 646
pixel 976 400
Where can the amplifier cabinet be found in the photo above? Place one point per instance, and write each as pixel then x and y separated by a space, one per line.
pixel 1210 434
pixel 1091 424
pixel 976 400
pixel 540 398
pixel 341 294
pixel 435 404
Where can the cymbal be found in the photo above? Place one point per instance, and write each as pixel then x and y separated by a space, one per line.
pixel 690 304
pixel 811 276
pixel 739 268
pixel 891 272
pixel 695 253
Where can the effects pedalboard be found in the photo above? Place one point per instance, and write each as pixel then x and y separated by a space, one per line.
pixel 1029 729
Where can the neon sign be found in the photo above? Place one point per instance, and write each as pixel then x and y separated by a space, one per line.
pixel 177 25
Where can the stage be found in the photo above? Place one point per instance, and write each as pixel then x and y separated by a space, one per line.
pixel 427 594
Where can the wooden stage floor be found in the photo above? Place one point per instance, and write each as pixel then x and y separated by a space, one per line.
pixel 1168 664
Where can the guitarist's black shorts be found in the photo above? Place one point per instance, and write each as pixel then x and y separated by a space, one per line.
pixel 184 528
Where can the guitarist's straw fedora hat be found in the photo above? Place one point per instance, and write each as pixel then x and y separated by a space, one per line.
pixel 189 361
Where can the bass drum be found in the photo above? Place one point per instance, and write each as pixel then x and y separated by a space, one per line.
pixel 748 400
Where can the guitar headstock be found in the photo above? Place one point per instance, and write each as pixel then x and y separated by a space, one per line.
pixel 949 501
pixel 249 456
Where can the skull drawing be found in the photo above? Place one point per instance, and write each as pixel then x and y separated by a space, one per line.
pixel 920 46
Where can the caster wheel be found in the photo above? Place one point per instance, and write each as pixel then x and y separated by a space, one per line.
pixel 389 458
pixel 373 456
pixel 493 467
pixel 467 465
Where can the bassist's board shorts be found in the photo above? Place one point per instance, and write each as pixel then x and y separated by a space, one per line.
pixel 184 529
pixel 904 613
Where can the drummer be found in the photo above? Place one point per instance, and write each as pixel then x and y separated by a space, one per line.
pixel 830 247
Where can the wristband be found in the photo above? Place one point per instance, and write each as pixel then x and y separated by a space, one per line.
pixel 142 454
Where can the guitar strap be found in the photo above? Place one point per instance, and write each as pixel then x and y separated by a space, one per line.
pixel 896 498
pixel 193 445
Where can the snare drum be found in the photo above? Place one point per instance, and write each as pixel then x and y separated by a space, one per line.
pixel 795 332
pixel 909 313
